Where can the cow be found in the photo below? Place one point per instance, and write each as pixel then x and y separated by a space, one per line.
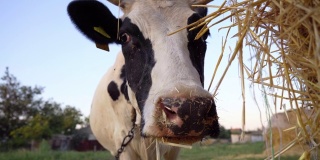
pixel 155 89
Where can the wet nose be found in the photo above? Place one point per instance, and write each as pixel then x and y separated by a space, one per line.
pixel 194 116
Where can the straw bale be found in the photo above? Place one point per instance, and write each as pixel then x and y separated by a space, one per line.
pixel 284 132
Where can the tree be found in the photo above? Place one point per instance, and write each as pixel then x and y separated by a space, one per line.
pixel 61 121
pixel 71 118
pixel 54 114
pixel 18 104
pixel 25 117
pixel 36 130
pixel 224 133
pixel 86 121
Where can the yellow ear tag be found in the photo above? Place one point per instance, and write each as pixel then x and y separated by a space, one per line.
pixel 103 46
pixel 101 31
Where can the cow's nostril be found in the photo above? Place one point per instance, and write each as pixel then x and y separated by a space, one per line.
pixel 170 114
pixel 168 109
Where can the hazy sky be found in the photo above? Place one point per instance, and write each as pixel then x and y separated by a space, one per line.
pixel 41 47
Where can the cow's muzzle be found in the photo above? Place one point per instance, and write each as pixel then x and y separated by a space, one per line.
pixel 187 118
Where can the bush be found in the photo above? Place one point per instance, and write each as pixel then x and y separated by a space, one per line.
pixel 44 146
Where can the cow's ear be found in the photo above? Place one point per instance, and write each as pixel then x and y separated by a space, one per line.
pixel 95 21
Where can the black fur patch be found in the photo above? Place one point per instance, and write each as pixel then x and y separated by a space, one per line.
pixel 197 48
pixel 113 90
pixel 139 61
pixel 123 87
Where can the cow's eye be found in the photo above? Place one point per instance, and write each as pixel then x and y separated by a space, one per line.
pixel 125 38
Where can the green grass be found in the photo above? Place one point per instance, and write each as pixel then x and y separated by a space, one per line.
pixel 221 151
pixel 250 151
pixel 55 155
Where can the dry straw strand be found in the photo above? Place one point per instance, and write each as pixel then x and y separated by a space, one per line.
pixel 285 39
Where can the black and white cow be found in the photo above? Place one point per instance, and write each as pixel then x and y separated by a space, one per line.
pixel 156 81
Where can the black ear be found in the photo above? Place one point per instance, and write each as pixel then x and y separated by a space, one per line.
pixel 94 20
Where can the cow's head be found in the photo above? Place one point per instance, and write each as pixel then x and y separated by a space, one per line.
pixel 164 73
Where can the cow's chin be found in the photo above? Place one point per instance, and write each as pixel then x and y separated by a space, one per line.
pixel 184 140
pixel 180 140
pixel 166 136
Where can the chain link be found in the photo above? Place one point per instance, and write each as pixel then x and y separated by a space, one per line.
pixel 126 140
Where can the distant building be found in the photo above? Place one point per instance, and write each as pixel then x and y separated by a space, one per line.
pixel 60 142
pixel 257 136
pixel 249 136
pixel 84 140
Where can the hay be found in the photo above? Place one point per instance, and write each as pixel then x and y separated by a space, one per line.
pixel 284 41
pixel 285 135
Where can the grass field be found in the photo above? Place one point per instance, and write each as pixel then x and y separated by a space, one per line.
pixel 250 151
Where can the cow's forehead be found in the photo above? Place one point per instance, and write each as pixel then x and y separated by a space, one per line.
pixel 154 16
pixel 130 5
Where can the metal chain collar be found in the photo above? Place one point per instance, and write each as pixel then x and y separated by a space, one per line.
pixel 126 140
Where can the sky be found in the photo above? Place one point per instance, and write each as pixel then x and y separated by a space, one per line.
pixel 41 47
